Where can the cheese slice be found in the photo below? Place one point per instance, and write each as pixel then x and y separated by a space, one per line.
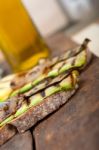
pixel 5 88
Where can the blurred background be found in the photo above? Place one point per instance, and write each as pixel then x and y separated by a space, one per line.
pixel 76 18
pixel 54 15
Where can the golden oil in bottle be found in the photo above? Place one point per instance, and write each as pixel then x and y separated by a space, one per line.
pixel 20 41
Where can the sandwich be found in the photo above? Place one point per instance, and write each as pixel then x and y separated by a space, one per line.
pixel 32 95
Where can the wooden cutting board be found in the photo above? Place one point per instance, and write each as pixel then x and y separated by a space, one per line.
pixel 75 126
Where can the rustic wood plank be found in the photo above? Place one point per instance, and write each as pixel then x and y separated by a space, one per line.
pixel 19 142
pixel 76 125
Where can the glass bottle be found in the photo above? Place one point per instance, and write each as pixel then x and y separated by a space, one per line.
pixel 20 41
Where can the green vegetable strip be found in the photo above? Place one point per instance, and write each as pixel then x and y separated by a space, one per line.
pixel 65 85
pixel 79 62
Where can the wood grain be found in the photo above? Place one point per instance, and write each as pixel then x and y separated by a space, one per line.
pixel 19 142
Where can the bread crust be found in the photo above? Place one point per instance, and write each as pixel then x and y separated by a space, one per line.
pixel 39 112
pixel 34 114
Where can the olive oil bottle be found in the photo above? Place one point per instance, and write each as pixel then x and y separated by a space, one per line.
pixel 20 41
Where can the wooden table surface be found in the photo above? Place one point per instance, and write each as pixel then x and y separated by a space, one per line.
pixel 75 126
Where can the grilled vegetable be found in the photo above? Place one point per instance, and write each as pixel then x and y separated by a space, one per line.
pixel 71 59
pixel 21 104
pixel 77 61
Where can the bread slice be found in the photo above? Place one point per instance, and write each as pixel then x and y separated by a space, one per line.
pixel 35 114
